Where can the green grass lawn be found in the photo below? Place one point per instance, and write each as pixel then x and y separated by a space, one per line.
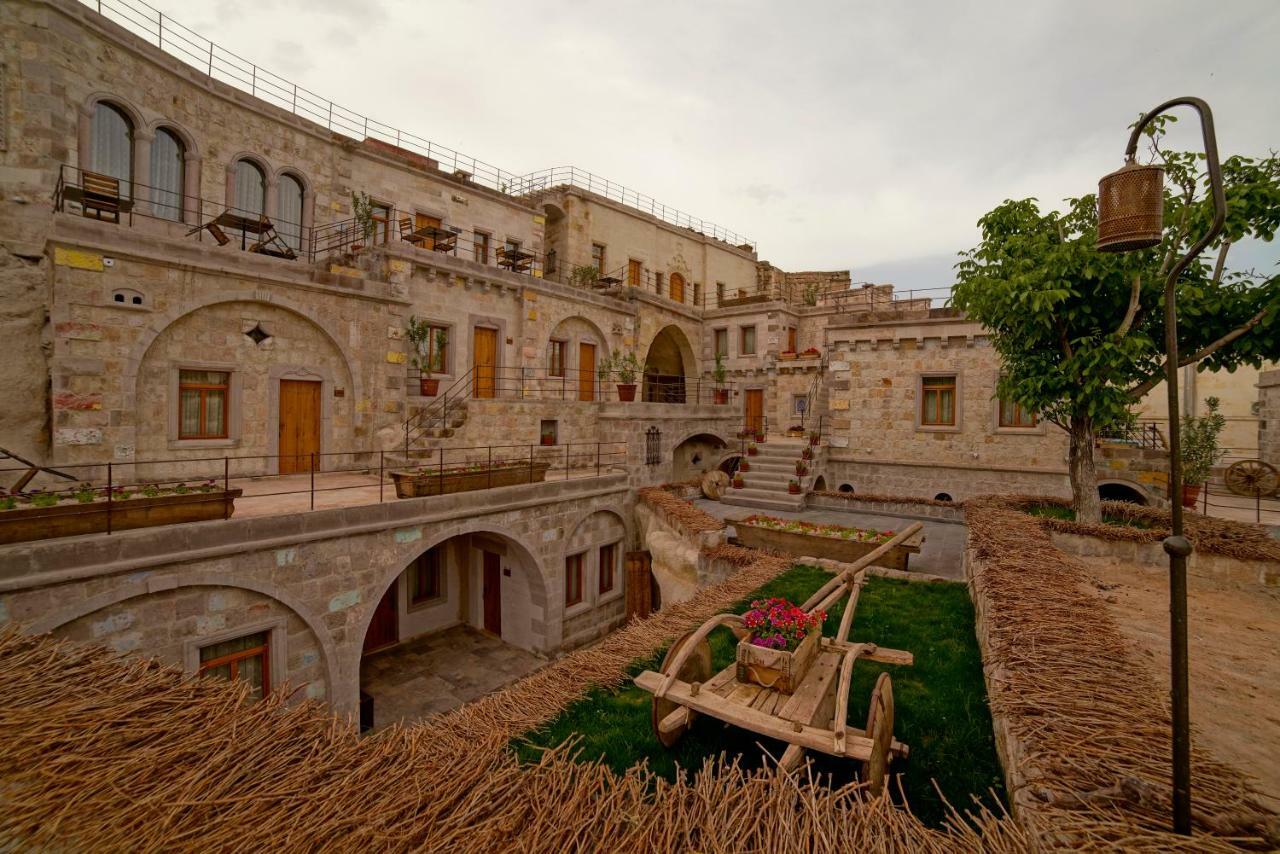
pixel 940 701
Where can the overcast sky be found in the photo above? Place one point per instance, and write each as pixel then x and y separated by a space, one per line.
pixel 836 135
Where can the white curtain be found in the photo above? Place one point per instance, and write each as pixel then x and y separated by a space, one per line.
pixel 251 189
pixel 289 211
pixel 167 165
pixel 111 146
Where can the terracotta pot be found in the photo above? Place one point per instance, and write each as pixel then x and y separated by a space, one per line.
pixel 744 466
pixel 626 392
pixel 429 386
pixel 759 437
pixel 548 440
pixel 793 488
pixel 721 396
pixel 738 483
pixel 751 452
pixel 1190 494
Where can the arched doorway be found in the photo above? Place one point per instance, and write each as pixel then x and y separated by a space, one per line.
pixel 456 622
pixel 665 366
pixel 1121 492
pixel 695 455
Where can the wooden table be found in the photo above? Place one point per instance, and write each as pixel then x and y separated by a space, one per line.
pixel 515 260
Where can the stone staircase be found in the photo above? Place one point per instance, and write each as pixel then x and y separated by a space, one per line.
pixel 456 420
pixel 771 470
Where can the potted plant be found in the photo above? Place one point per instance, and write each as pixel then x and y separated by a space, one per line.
pixel 760 436
pixel 752 450
pixel 1200 451
pixel 782 643
pixel 738 482
pixel 547 435
pixel 793 486
pixel 807 453
pixel 814 438
pixel 428 353
pixel 721 393
pixel 627 367
pixel 802 468
pixel 362 214
pixel 745 465
pixel 795 431
pixel 811 353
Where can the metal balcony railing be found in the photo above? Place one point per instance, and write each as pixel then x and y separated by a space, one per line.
pixel 154 27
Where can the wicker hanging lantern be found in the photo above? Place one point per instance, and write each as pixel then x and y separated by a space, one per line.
pixel 1131 208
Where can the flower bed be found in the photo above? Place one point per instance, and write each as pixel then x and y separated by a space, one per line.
pixel 38 514
pixel 835 542
pixel 417 483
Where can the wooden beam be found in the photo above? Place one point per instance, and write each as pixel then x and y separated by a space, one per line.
pixel 861 563
pixel 880 654
pixel 681 717
pixel 840 722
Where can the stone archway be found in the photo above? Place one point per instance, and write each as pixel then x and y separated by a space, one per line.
pixel 457 620
pixel 696 454
pixel 666 364
pixel 1116 490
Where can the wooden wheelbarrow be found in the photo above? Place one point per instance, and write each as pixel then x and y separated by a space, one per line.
pixel 814 715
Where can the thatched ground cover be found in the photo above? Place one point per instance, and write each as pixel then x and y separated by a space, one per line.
pixel 941 702
pixel 1083 714
pixel 1134 523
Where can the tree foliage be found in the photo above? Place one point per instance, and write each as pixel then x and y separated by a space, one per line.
pixel 1081 332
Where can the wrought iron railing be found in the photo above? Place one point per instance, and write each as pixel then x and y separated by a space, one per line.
pixel 569 384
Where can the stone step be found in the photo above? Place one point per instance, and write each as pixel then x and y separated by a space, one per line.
pixel 772 501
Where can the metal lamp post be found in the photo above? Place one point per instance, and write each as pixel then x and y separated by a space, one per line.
pixel 1130 213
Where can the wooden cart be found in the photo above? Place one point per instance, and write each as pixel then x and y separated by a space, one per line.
pixel 814 716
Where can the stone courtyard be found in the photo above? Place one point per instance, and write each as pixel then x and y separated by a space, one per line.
pixel 436 673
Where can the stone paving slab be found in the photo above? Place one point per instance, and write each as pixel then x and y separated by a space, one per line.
pixel 436 673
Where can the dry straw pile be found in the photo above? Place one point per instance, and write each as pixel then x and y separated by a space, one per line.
pixel 1084 718
pixel 1209 534
pixel 680 512
pixel 108 754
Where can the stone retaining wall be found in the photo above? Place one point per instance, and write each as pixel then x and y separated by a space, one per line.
pixel 902 508
pixel 1222 567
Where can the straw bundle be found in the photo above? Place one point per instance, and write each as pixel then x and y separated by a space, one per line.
pixel 1091 725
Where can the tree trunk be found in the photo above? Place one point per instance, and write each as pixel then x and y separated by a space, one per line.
pixel 1084 475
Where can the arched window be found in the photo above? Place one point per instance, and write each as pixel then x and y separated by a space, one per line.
pixel 289 210
pixel 168 165
pixel 250 197
pixel 111 145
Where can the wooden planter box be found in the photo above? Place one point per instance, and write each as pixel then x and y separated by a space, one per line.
pixel 827 547
pixel 776 668
pixel 420 484
pixel 23 524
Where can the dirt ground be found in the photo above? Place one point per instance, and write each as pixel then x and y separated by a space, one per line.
pixel 1234 637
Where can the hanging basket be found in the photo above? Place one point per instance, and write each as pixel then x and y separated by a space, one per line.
pixel 1131 208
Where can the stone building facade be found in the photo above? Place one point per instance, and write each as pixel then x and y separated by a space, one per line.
pixel 182 330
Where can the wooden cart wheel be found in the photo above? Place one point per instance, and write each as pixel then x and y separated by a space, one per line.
pixel 1252 477
pixel 714 484
pixel 880 731
pixel 696 669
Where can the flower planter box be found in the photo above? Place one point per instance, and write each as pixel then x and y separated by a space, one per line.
pixel 777 668
pixel 788 355
pixel 832 548
pixel 421 484
pixel 67 520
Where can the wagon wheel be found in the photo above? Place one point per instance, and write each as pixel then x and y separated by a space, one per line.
pixel 714 484
pixel 880 731
pixel 696 669
pixel 1252 477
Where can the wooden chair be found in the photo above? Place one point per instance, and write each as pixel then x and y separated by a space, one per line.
pixel 101 194
pixel 406 231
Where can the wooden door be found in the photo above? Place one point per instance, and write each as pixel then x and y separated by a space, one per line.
pixel 299 425
pixel 421 221
pixel 677 287
pixel 586 371
pixel 485 362
pixel 492 593
pixel 384 628
pixel 753 414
